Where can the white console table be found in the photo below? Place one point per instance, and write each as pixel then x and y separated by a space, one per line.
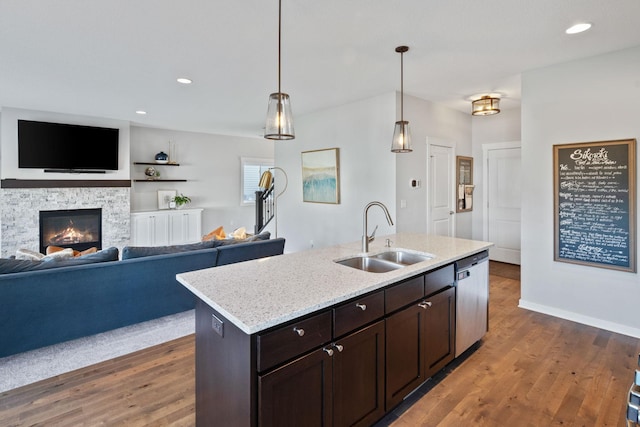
pixel 166 227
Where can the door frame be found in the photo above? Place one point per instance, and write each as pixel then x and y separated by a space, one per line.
pixel 485 180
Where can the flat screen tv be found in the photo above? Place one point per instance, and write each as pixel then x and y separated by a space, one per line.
pixel 67 148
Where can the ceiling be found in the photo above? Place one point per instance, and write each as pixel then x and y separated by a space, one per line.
pixel 111 58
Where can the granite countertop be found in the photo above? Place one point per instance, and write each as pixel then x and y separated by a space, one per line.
pixel 256 295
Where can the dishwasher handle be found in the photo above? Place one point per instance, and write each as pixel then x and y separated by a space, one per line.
pixel 470 261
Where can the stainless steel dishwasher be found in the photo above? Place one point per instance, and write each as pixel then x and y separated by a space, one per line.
pixel 472 300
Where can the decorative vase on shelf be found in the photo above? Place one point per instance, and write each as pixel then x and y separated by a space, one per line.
pixel 172 153
pixel 151 173
pixel 162 158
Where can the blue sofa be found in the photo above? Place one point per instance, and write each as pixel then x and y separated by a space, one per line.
pixel 49 306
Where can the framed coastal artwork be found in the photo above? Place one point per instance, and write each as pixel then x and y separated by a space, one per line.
pixel 321 176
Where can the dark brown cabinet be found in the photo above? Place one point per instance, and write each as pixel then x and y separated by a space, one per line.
pixel 404 353
pixel 358 377
pixel 338 385
pixel 439 330
pixel 298 394
pixel 420 338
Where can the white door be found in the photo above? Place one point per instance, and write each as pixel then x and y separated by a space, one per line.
pixel 441 187
pixel 503 204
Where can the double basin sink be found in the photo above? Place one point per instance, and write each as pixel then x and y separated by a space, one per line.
pixel 385 261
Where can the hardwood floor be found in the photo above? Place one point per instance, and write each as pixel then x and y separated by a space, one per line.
pixel 529 370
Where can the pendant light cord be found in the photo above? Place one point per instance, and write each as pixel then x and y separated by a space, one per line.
pixel 402 89
pixel 279 48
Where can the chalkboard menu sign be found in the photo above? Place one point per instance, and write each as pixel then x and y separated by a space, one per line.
pixel 594 186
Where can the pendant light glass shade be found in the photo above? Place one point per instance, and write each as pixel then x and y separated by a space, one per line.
pixel 279 125
pixel 401 136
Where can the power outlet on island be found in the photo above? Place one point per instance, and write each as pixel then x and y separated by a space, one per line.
pixel 217 325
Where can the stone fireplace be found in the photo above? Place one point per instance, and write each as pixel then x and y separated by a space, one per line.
pixel 20 211
pixel 78 229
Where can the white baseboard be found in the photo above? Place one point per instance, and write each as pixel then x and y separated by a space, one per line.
pixel 579 318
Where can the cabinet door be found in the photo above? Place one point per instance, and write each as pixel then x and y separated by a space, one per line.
pixel 184 227
pixel 141 230
pixel 439 330
pixel 358 377
pixel 149 229
pixel 297 394
pixel 405 352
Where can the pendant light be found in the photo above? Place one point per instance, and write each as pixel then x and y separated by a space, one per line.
pixel 279 125
pixel 401 135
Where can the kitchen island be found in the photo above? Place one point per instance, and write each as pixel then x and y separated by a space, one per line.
pixel 299 339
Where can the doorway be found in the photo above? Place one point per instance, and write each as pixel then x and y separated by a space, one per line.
pixel 441 198
pixel 502 183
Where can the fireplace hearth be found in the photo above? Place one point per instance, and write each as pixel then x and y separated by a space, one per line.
pixel 78 229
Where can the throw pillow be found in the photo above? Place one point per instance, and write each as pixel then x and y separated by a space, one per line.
pixel 64 253
pixel 265 235
pixel 141 251
pixel 28 255
pixel 216 234
pixel 105 255
pixel 54 249
pixel 11 265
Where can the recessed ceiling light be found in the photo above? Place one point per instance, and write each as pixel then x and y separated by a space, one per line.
pixel 184 80
pixel 141 112
pixel 578 28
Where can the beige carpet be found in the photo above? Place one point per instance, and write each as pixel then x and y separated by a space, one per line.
pixel 29 367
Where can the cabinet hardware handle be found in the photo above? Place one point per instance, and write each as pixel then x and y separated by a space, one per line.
pixel 425 304
pixel 299 331
pixel 328 351
pixel 338 347
pixel 362 307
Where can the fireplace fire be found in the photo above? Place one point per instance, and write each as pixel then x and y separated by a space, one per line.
pixel 78 229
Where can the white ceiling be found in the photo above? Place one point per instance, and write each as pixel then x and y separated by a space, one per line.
pixel 111 58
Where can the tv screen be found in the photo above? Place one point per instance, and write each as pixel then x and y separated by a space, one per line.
pixel 66 147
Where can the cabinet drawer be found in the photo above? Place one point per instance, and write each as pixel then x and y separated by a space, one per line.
pixel 405 293
pixel 292 340
pixel 439 279
pixel 354 314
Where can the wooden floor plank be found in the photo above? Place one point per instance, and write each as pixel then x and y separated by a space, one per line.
pixel 529 370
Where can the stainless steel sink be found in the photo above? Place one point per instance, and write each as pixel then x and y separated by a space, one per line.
pixel 370 264
pixel 403 257
pixel 385 261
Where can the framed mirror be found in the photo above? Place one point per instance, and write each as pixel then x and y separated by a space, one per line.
pixel 464 184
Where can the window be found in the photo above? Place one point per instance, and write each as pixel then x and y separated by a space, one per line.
pixel 251 170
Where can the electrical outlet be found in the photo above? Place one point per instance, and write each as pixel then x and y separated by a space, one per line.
pixel 217 325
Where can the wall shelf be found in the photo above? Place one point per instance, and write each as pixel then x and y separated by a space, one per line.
pixel 160 180
pixel 156 164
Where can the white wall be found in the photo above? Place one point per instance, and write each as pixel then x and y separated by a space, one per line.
pixel 211 166
pixel 368 170
pixel 362 131
pixel 499 128
pixel 9 145
pixel 435 123
pixel 594 99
